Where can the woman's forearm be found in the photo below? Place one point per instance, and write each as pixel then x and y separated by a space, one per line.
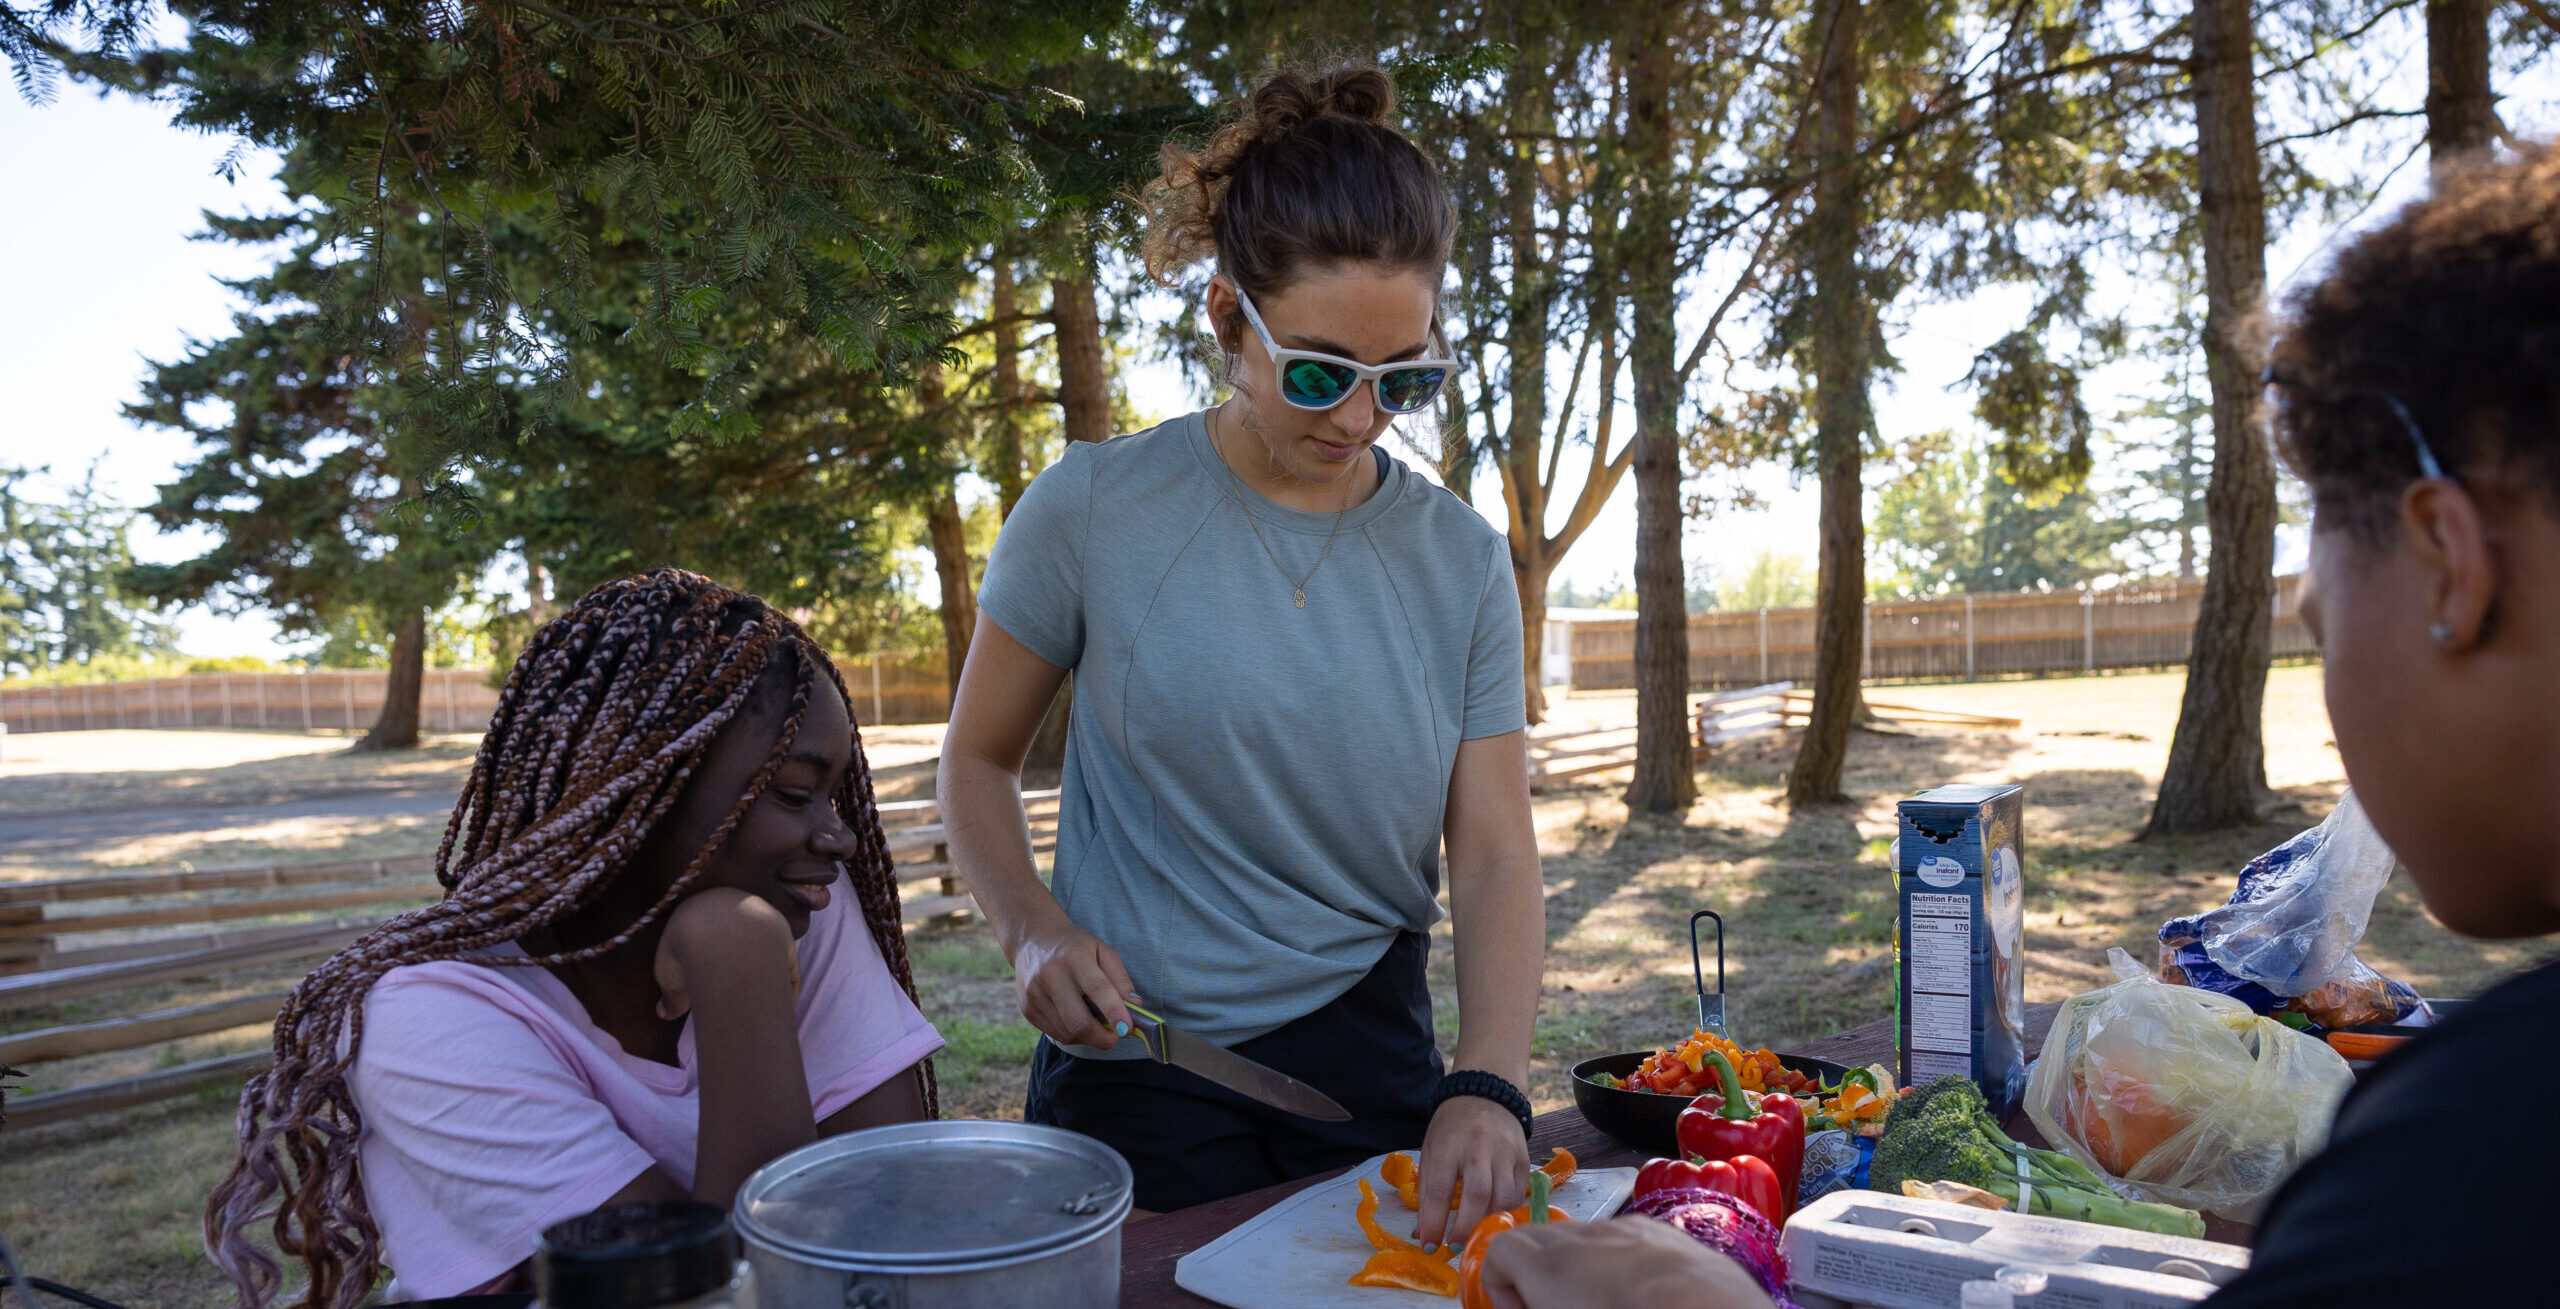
pixel 1497 905
pixel 990 844
pixel 1497 914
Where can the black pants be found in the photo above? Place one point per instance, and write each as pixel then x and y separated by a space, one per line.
pixel 1190 1140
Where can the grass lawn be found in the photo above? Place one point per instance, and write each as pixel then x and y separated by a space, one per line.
pixel 112 1204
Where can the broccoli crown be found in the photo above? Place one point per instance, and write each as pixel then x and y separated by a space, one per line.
pixel 1931 1147
pixel 1949 1092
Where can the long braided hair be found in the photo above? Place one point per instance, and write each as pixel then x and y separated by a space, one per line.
pixel 603 719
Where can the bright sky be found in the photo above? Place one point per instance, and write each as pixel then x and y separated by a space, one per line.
pixel 101 275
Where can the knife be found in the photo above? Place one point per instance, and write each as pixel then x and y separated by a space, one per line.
pixel 1170 1045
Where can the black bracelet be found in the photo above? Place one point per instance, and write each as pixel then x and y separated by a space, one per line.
pixel 1485 1086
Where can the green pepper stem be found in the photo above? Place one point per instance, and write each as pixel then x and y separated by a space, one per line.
pixel 1540 1187
pixel 1734 1105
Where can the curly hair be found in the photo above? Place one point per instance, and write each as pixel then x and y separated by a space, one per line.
pixel 2452 311
pixel 1310 173
pixel 603 719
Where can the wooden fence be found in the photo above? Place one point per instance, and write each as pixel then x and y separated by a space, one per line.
pixel 1940 640
pixel 892 688
pixel 450 700
pixel 47 958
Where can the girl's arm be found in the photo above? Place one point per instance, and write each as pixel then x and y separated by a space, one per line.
pixel 898 1100
pixel 1497 912
pixel 1059 969
pixel 734 955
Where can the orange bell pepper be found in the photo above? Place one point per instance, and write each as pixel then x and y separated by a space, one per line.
pixel 1380 1239
pixel 1408 1270
pixel 1471 1292
pixel 1401 1172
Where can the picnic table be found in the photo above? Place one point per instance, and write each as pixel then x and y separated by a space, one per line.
pixel 1149 1247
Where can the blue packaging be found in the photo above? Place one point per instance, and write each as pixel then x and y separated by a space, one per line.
pixel 1960 865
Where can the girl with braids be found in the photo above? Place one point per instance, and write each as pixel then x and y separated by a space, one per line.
pixel 644 979
pixel 1298 671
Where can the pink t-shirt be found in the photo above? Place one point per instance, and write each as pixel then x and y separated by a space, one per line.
pixel 493 1107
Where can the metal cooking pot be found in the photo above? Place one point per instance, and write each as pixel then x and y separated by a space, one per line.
pixel 986 1215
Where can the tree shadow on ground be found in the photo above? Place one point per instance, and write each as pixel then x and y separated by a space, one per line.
pixel 1805 896
pixel 439 765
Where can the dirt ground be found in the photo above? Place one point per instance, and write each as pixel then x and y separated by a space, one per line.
pixel 112 1204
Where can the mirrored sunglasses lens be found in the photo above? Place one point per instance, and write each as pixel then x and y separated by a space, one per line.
pixel 1408 389
pixel 1315 385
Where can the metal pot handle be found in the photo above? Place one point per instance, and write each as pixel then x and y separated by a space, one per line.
pixel 873 1295
pixel 1091 1202
pixel 1710 1007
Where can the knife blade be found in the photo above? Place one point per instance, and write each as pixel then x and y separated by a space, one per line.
pixel 1171 1045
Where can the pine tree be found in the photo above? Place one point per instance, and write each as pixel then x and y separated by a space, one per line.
pixel 65 598
pixel 309 469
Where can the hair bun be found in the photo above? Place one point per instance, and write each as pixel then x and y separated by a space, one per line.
pixel 1321 174
pixel 1356 92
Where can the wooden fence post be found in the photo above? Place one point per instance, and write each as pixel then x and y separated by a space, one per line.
pixel 1866 639
pixel 2088 632
pixel 226 699
pixel 1764 645
pixel 347 693
pixel 1968 638
pixel 879 708
pixel 306 699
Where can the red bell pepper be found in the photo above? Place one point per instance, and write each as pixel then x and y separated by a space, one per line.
pixel 1732 1126
pixel 1747 1178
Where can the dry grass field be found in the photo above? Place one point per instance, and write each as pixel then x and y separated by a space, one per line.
pixel 112 1204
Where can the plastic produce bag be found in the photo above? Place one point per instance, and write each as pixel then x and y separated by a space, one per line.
pixel 1830 1162
pixel 2291 929
pixel 2185 1096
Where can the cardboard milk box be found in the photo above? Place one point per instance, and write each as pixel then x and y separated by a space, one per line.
pixel 1961 977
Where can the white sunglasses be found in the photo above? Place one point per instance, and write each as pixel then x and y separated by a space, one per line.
pixel 1311 379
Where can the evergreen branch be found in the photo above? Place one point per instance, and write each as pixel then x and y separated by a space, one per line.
pixel 2332 129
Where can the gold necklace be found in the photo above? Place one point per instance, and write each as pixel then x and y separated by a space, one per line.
pixel 1297 585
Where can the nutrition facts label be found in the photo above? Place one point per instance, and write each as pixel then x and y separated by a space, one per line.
pixel 1939 949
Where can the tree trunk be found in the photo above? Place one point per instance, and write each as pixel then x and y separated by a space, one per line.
pixel 537 592
pixel 2462 113
pixel 2217 760
pixel 1084 396
pixel 397 727
pixel 1084 387
pixel 951 565
pixel 1531 309
pixel 1003 302
pixel 1665 778
pixel 1841 414
pixel 1533 632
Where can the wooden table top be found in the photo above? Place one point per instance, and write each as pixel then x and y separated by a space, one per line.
pixel 1149 1247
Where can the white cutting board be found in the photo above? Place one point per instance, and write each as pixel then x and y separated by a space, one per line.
pixel 1301 1252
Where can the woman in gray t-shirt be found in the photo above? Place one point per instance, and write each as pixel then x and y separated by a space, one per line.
pixel 1298 670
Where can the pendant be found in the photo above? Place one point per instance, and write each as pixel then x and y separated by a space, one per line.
pixel 1300 595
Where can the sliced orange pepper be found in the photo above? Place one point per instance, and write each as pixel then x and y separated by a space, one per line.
pixel 1559 1167
pixel 1409 1270
pixel 1401 1172
pixel 1380 1239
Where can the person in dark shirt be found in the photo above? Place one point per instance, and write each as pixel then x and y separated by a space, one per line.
pixel 2416 389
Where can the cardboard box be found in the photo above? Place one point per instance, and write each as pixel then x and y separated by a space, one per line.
pixel 1961 977
pixel 1867 1248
